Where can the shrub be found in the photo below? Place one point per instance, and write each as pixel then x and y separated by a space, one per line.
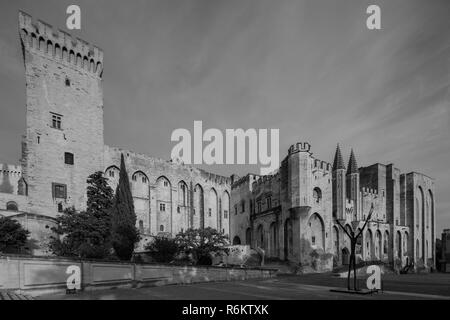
pixel 12 235
pixel 201 243
pixel 162 249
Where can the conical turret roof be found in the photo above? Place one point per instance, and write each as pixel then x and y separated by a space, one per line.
pixel 352 165
pixel 338 161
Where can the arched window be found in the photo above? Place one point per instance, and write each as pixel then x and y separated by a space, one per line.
pixel 317 195
pixel 236 241
pixel 12 206
pixel 260 236
pixel 386 242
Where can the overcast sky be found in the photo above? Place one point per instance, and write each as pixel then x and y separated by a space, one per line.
pixel 308 68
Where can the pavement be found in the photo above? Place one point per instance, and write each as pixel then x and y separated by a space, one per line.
pixel 7 295
pixel 284 287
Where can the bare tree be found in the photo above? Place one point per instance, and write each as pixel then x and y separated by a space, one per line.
pixel 353 240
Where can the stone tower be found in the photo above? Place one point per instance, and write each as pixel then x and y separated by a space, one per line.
pixel 339 189
pixel 63 143
pixel 352 183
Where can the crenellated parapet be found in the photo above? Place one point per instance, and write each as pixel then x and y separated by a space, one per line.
pixel 299 147
pixel 369 191
pixel 265 180
pixel 59 45
pixel 322 165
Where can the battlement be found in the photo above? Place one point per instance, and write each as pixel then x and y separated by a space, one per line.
pixel 321 165
pixel 10 170
pixel 59 45
pixel 369 191
pixel 249 178
pixel 265 179
pixel 300 147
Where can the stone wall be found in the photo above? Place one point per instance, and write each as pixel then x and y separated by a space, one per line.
pixel 38 276
pixel 170 197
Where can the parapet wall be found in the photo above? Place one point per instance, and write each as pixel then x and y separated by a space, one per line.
pixel 40 36
pixel 37 276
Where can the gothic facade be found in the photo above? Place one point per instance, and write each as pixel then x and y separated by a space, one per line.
pixel 291 214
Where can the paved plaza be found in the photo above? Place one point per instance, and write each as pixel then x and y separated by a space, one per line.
pixel 316 286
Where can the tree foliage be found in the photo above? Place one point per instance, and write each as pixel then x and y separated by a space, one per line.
pixel 201 243
pixel 12 235
pixel 163 249
pixel 124 233
pixel 86 234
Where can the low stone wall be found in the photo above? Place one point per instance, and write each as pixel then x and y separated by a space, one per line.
pixel 38 275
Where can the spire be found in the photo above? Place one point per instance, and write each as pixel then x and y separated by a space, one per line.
pixel 338 162
pixel 352 165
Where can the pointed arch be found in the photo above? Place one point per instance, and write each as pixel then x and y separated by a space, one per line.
pixel 248 236
pixel 72 58
pixel 163 195
pixel 379 245
pixel 288 239
pixel 42 46
pixel 260 237
pixel 57 53
pixel 199 207
pixel 369 245
pixel 65 55
pixel 140 185
pixel 386 243
pixel 112 174
pixel 336 246
pixel 273 241
pixel 212 209
pixel 182 193
pixel 399 245
pixel 49 48
pixel 316 232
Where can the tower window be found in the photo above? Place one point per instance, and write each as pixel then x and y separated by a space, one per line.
pixel 59 191
pixel 67 82
pixel 60 207
pixel 209 212
pixel 178 210
pixel 317 195
pixel 68 158
pixel 225 214
pixel 56 121
pixel 162 207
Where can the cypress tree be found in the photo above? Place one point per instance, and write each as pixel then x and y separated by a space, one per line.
pixel 124 231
